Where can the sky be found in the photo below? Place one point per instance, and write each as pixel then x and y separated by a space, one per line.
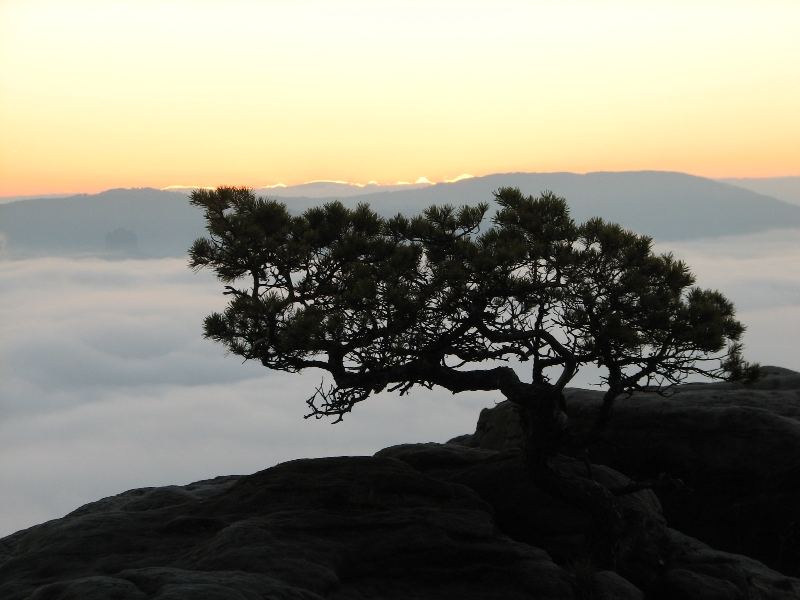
pixel 96 94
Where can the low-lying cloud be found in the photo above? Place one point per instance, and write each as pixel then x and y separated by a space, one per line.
pixel 760 273
pixel 107 383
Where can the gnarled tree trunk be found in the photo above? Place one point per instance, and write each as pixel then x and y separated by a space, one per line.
pixel 544 432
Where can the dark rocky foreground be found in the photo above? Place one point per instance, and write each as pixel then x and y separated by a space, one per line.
pixel 737 448
pixel 458 520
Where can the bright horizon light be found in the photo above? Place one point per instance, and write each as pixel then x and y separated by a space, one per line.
pixel 116 93
pixel 280 185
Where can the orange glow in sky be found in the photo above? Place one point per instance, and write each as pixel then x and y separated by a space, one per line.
pixel 99 94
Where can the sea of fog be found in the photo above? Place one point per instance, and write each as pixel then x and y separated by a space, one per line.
pixel 107 384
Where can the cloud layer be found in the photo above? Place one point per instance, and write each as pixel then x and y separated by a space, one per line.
pixel 107 383
pixel 761 274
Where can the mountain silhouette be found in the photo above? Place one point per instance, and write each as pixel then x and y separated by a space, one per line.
pixel 664 205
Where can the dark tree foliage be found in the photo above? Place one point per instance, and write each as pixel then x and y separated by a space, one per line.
pixel 439 300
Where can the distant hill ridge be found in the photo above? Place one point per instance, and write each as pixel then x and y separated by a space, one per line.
pixel 665 205
pixel 782 188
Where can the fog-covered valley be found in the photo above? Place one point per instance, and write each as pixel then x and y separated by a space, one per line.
pixel 107 383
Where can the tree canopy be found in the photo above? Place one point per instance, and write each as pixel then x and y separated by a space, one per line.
pixel 451 298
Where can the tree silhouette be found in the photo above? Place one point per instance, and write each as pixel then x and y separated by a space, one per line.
pixel 389 304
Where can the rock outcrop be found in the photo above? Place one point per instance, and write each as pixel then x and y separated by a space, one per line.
pixel 736 447
pixel 456 520
pixel 653 560
pixel 338 528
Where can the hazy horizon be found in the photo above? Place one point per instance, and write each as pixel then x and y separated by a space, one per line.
pixel 761 184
